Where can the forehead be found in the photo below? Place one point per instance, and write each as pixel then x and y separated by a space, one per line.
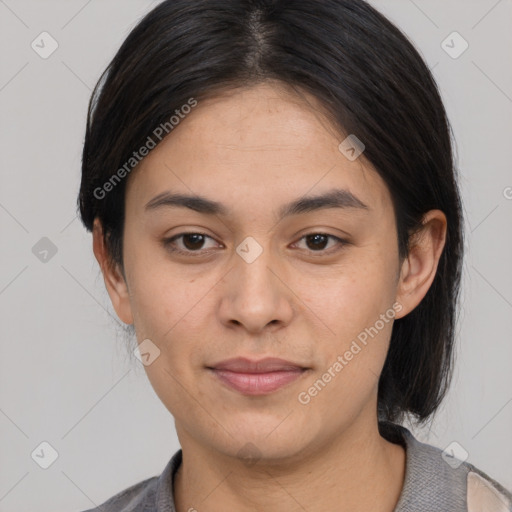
pixel 263 142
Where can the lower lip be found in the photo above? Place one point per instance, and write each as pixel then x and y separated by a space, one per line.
pixel 258 383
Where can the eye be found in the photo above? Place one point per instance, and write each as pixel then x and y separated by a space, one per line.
pixel 191 243
pixel 316 242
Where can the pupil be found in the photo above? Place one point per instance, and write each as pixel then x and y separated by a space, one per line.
pixel 196 239
pixel 317 237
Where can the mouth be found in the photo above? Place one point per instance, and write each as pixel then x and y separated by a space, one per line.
pixel 257 377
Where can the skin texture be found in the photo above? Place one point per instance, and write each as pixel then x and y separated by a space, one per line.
pixel 254 150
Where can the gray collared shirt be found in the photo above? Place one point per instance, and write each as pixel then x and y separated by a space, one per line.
pixel 434 482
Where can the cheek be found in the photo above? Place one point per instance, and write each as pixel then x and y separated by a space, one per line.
pixel 165 307
pixel 167 310
pixel 350 298
pixel 176 312
pixel 354 353
pixel 158 295
pixel 356 306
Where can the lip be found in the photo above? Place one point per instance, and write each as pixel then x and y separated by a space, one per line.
pixel 265 365
pixel 257 377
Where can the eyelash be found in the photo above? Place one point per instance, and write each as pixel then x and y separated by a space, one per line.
pixel 168 244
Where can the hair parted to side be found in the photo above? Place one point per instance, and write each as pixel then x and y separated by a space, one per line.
pixel 370 80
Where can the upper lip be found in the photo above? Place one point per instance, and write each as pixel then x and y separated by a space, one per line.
pixel 267 364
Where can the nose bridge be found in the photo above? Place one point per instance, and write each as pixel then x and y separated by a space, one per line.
pixel 256 296
pixel 252 266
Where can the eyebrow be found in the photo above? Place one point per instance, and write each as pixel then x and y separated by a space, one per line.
pixel 335 198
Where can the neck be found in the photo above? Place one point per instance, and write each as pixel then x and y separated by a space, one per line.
pixel 356 471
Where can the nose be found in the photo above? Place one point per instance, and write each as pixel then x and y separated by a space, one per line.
pixel 255 294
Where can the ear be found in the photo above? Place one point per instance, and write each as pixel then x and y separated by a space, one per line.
pixel 115 282
pixel 420 266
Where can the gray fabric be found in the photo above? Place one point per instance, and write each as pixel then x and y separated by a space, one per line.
pixel 431 485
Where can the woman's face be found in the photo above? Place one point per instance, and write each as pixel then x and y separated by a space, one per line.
pixel 255 285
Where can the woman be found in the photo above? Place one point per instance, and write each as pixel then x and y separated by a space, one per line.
pixel 274 206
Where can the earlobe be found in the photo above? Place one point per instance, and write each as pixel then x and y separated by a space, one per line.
pixel 115 283
pixel 420 266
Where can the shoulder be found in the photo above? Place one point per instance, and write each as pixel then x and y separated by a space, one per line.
pixel 152 494
pixel 131 499
pixel 484 494
pixel 437 480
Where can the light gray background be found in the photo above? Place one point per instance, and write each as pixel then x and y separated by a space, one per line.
pixel 65 377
